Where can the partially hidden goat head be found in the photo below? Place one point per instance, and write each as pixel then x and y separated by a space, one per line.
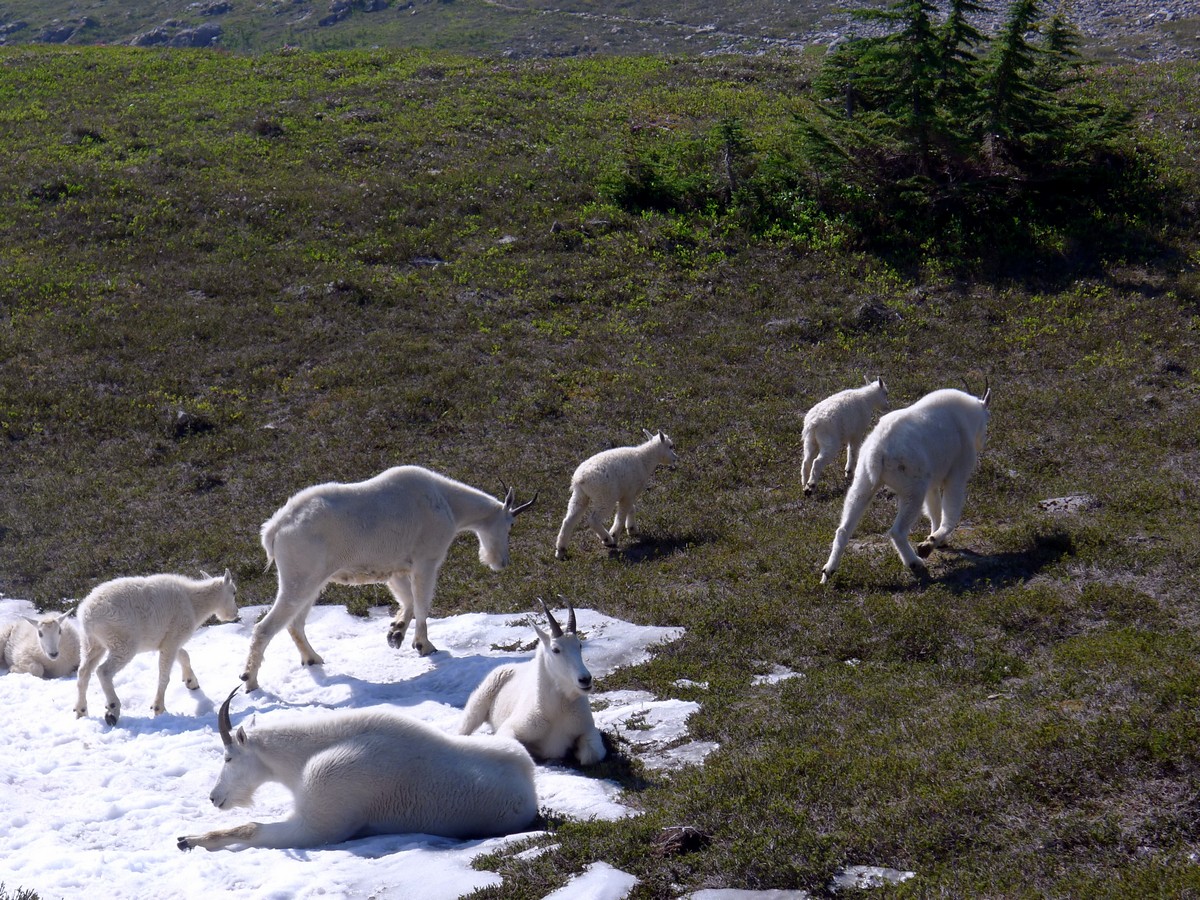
pixel 243 772
pixel 665 447
pixel 561 653
pixel 228 610
pixel 49 632
pixel 884 405
pixel 494 530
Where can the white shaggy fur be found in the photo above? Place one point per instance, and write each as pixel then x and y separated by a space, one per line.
pixel 543 702
pixel 393 529
pixel 361 772
pixel 47 647
pixel 841 420
pixel 127 616
pixel 612 479
pixel 924 453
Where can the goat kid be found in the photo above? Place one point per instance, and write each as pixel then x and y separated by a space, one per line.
pixel 46 647
pixel 355 773
pixel 840 420
pixel 542 702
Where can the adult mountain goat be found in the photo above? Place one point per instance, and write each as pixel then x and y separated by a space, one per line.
pixel 612 479
pixel 543 702
pixel 355 773
pixel 840 420
pixel 47 646
pixel 924 453
pixel 127 616
pixel 393 529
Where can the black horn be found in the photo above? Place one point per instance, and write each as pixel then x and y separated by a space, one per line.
pixel 555 628
pixel 223 723
pixel 517 510
pixel 570 614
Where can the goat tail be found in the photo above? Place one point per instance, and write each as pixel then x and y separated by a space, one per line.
pixel 269 529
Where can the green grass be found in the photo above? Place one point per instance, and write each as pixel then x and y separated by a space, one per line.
pixel 333 263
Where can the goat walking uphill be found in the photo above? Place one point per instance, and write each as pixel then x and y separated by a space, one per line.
pixel 543 702
pixel 841 420
pixel 612 479
pixel 925 453
pixel 393 529
pixel 355 773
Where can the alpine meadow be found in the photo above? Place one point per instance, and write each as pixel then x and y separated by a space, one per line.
pixel 226 277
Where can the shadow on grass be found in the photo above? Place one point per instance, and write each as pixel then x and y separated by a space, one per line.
pixel 649 549
pixel 1000 570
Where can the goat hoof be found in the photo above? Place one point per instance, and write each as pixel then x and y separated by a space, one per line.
pixel 560 552
pixel 824 576
pixel 111 718
pixel 183 843
pixel 808 490
pixel 919 570
pixel 924 549
pixel 395 638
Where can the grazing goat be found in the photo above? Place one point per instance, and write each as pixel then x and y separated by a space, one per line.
pixel 924 452
pixel 841 420
pixel 127 616
pixel 47 647
pixel 543 702
pixel 393 529
pixel 355 773
pixel 612 478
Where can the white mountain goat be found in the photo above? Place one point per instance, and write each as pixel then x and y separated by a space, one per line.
pixel 47 646
pixel 612 479
pixel 393 529
pixel 924 453
pixel 542 702
pixel 127 616
pixel 841 420
pixel 355 773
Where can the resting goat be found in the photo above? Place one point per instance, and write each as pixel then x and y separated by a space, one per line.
pixel 393 529
pixel 47 646
pixel 355 773
pixel 841 420
pixel 543 703
pixel 924 452
pixel 612 479
pixel 127 616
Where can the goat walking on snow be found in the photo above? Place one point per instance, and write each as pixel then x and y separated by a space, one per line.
pixel 612 479
pixel 355 773
pixel 925 453
pixel 127 616
pixel 543 702
pixel 47 647
pixel 841 420
pixel 393 529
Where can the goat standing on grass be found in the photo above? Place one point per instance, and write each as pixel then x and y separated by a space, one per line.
pixel 393 529
pixel 841 420
pixel 355 773
pixel 543 702
pixel 924 453
pixel 127 616
pixel 47 647
pixel 612 479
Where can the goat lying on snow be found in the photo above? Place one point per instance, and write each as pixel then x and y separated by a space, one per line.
pixel 543 702
pixel 47 646
pixel 127 616
pixel 612 479
pixel 361 772
pixel 924 452
pixel 393 529
pixel 841 420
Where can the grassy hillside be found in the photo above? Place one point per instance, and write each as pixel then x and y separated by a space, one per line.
pixel 224 278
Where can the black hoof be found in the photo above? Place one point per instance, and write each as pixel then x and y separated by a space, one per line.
pixel 110 719
pixel 182 844
pixel 395 639
pixel 560 553
pixel 808 490
pixel 924 549
pixel 245 676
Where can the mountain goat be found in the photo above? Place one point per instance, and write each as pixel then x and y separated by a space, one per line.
pixel 393 529
pixel 924 452
pixel 355 773
pixel 841 420
pixel 612 478
pixel 127 616
pixel 47 647
pixel 543 702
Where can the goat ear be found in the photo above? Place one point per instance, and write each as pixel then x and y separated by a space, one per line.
pixel 542 636
pixel 646 432
pixel 34 622
pixel 241 735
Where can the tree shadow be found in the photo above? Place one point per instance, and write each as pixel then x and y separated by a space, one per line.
pixel 992 571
